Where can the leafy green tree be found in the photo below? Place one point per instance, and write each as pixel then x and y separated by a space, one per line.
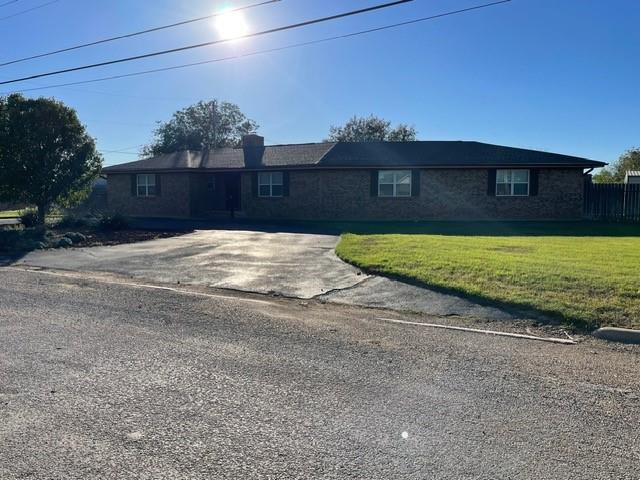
pixel 46 155
pixel 629 160
pixel 603 176
pixel 371 129
pixel 210 124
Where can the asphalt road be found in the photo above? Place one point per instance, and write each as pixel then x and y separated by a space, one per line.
pixel 108 380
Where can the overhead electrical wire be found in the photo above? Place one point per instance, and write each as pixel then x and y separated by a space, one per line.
pixel 8 3
pixel 125 148
pixel 119 152
pixel 22 12
pixel 134 34
pixel 206 44
pixel 262 52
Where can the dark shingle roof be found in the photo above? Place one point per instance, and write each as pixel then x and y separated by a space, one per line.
pixel 231 158
pixel 445 154
pixel 438 154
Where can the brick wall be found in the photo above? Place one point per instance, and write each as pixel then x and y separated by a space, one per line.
pixel 345 195
pixel 173 201
pixel 444 194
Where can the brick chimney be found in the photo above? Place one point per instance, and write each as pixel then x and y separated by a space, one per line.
pixel 252 140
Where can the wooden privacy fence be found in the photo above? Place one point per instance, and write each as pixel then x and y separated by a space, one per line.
pixel 612 201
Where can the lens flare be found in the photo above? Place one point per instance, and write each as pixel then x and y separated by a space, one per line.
pixel 231 25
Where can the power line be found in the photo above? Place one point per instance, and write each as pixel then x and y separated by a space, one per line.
pixel 124 150
pixel 8 3
pixel 119 152
pixel 215 42
pixel 42 5
pixel 261 52
pixel 119 123
pixel 133 34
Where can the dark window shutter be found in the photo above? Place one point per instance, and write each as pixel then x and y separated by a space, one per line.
pixel 533 182
pixel 491 185
pixel 254 184
pixel 415 183
pixel 374 183
pixel 158 185
pixel 134 185
pixel 285 184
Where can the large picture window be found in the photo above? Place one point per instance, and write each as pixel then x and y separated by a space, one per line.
pixel 270 184
pixel 146 184
pixel 394 183
pixel 512 183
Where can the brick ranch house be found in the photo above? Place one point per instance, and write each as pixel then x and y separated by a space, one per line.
pixel 353 181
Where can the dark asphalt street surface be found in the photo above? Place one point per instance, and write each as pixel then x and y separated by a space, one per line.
pixel 104 380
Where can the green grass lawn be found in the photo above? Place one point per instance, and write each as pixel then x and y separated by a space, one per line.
pixel 586 274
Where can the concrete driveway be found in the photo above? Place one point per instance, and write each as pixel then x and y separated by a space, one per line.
pixel 289 264
pixel 301 265
pixel 9 221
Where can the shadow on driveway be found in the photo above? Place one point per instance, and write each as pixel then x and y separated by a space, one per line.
pixel 485 228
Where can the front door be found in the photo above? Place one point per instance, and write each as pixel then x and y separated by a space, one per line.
pixel 232 191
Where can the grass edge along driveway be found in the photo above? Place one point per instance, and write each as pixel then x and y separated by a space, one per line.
pixel 585 274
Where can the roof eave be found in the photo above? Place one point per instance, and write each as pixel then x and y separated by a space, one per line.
pixel 590 164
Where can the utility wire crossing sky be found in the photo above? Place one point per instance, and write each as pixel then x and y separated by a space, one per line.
pixel 541 74
pixel 261 52
pixel 214 42
pixel 135 34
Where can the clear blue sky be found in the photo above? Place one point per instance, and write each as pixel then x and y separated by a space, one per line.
pixel 547 74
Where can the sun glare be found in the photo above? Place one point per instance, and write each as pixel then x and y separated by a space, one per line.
pixel 231 25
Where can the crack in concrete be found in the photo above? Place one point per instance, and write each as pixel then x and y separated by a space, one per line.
pixel 343 289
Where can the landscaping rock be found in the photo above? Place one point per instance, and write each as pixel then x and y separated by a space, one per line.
pixel 64 242
pixel 615 334
pixel 75 237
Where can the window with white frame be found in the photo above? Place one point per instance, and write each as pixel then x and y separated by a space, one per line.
pixel 512 183
pixel 270 184
pixel 394 183
pixel 146 184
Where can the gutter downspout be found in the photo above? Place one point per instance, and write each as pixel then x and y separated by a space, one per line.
pixel 585 201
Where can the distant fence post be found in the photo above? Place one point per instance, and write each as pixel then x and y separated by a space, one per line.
pixel 611 201
pixel 632 202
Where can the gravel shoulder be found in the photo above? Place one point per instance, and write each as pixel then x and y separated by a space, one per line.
pixel 107 380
